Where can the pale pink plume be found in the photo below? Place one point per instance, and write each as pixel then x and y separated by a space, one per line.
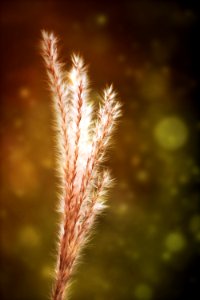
pixel 82 143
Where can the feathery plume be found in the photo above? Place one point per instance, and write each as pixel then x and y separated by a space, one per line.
pixel 82 144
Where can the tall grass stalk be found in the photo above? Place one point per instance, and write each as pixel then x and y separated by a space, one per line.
pixel 82 142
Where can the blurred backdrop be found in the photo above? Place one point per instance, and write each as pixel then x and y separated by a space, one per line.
pixel 146 245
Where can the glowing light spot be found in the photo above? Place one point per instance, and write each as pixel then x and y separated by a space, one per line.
pixel 130 196
pixel 155 85
pixel 29 237
pixel 173 191
pixel 148 269
pixel 24 92
pixel 46 272
pixel 143 292
pixel 195 223
pixel 144 147
pixel 3 214
pixel 19 192
pixel 194 226
pixel 120 242
pixel 76 26
pixel 171 133
pixel 166 256
pixel 121 58
pixel 183 179
pixel 195 170
pixel 152 230
pixel 103 284
pixel 128 138
pixel 100 44
pixel 123 185
pixel 128 72
pixel 23 177
pixel 142 176
pixel 175 242
pixel 101 20
pixel 135 160
pixel 47 163
pixel 198 236
pixel 18 123
pixel 135 255
pixel 122 209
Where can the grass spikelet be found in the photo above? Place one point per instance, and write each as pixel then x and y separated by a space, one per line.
pixel 82 145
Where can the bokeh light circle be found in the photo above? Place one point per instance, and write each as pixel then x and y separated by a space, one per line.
pixel 171 133
pixel 29 236
pixel 175 242
pixel 143 292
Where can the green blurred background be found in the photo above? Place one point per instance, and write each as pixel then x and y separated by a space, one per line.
pixel 146 245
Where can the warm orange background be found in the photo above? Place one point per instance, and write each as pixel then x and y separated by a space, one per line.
pixel 147 243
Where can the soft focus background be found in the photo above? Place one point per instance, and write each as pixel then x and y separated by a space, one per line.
pixel 146 246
